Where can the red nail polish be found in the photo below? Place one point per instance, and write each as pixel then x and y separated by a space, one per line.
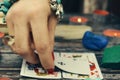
pixel 50 71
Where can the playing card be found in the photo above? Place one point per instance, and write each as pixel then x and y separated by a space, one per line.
pixel 32 73
pixel 71 66
pixel 95 72
pixel 73 63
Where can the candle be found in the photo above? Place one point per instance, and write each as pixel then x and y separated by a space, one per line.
pixel 1 36
pixel 78 19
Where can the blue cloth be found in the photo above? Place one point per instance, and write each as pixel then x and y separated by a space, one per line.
pixel 94 41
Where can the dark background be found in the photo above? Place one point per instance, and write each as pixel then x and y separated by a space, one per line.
pixel 76 6
pixel 73 6
pixel 114 7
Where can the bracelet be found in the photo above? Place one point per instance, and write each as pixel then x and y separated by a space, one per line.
pixel 55 5
pixel 5 5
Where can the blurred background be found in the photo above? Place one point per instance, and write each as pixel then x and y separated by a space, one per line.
pixel 68 38
pixel 88 6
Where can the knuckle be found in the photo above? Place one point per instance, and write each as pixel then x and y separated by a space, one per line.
pixel 41 11
pixel 16 12
pixel 42 47
pixel 21 51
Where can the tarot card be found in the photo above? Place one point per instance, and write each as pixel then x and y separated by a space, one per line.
pixel 72 63
pixel 72 66
pixel 34 73
pixel 93 66
pixel 95 71
pixel 74 76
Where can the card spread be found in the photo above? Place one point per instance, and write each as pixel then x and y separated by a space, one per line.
pixel 71 66
pixel 73 63
pixel 31 73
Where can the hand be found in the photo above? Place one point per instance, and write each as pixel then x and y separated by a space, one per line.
pixel 32 24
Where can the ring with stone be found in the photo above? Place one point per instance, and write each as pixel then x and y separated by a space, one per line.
pixel 8 40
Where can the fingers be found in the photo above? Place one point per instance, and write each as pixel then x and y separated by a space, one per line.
pixel 23 42
pixel 51 28
pixel 41 40
pixel 18 27
pixel 8 39
pixel 21 35
pixel 10 25
pixel 23 46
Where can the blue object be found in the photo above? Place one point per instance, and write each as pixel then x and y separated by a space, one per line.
pixel 4 9
pixel 59 1
pixel 93 41
pixel 5 5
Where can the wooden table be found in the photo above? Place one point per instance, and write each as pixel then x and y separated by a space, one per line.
pixel 10 63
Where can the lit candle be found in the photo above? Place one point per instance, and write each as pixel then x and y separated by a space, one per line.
pixel 78 19
pixel 1 36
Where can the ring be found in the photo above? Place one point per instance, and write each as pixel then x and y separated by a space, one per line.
pixel 57 7
pixel 8 40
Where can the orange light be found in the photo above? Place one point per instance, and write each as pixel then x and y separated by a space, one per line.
pixel 78 19
pixel 112 33
pixel 101 12
pixel 1 34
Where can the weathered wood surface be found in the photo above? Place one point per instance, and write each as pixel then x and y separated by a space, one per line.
pixel 10 63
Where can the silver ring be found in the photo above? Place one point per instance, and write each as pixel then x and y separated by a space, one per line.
pixel 9 40
pixel 57 7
